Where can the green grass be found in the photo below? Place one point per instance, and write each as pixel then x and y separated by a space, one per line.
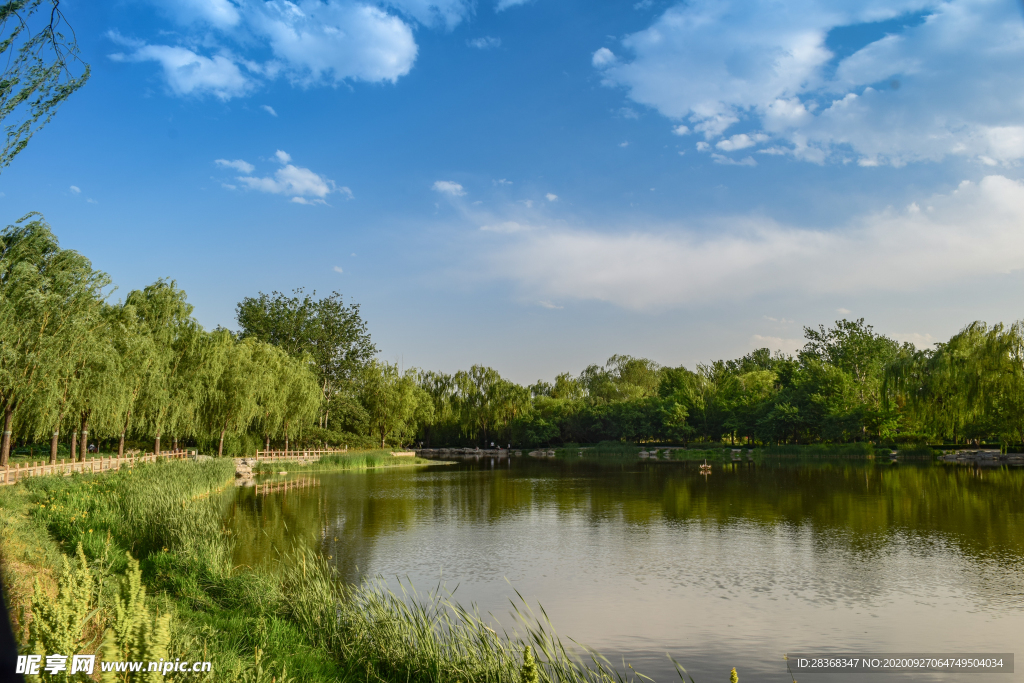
pixel 359 460
pixel 293 621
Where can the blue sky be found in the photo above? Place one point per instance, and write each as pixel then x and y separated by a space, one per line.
pixel 538 185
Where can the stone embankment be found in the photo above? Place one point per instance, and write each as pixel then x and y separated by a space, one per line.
pixel 244 467
pixel 985 458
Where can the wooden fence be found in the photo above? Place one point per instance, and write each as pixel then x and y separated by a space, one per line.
pixel 286 486
pixel 12 474
pixel 274 456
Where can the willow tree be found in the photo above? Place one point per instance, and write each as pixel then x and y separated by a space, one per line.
pixel 390 399
pixel 231 403
pixel 440 390
pixel 969 386
pixel 97 397
pixel 300 394
pixel 136 354
pixel 47 297
pixel 169 394
pixel 271 402
pixel 42 69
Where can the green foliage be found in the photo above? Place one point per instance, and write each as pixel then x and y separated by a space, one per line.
pixel 301 373
pixel 391 401
pixel 59 625
pixel 136 634
pixel 528 674
pixel 733 676
pixel 327 330
pixel 50 300
pixel 37 77
pixel 339 462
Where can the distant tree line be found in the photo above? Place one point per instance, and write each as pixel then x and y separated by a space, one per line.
pixel 76 368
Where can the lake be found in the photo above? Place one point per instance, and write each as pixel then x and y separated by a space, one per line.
pixel 735 568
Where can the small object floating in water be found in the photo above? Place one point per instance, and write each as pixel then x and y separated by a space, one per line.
pixel 282 472
pixel 705 468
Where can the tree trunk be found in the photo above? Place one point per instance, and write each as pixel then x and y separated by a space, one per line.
pixel 5 442
pixel 220 448
pixel 174 445
pixel 74 445
pixel 156 444
pixel 53 445
pixel 85 437
pixel 266 447
pixel 120 444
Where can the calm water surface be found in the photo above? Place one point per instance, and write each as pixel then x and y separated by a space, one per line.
pixel 733 569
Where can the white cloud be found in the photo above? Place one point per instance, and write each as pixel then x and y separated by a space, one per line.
pixel 338 269
pixel 449 187
pixel 505 4
pixel 92 201
pixel 741 141
pixel 681 130
pixel 484 43
pixel 291 180
pixel 714 63
pixel 625 143
pixel 330 42
pixel 729 161
pixel 973 229
pixel 75 189
pixel 311 42
pixel 188 73
pixel 549 305
pixel 237 164
pixel 603 57
pixel 270 110
pixel 305 186
pixel 222 14
pixel 445 13
pixel 703 146
pixel 551 197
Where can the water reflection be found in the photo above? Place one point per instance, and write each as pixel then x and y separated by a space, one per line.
pixel 733 569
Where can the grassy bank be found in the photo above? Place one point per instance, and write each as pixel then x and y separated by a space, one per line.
pixel 360 460
pixel 295 621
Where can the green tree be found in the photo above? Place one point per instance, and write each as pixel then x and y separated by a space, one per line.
pixel 38 76
pixel 332 333
pixel 49 298
pixel 390 399
pixel 170 393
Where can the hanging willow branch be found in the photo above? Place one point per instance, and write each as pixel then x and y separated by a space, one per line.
pixel 37 75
